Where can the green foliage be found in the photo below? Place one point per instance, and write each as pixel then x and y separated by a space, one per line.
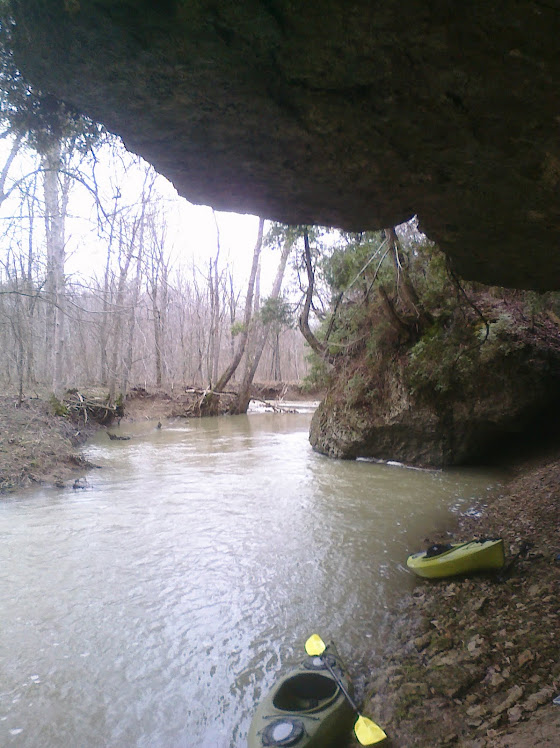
pixel 57 406
pixel 429 274
pixel 277 312
pixel 237 328
pixel 352 261
pixel 279 234
pixel 536 303
pixel 31 114
pixel 443 359
pixel 318 376
pixel 387 302
pixel 382 339
pixel 500 338
pixel 450 353
pixel 499 329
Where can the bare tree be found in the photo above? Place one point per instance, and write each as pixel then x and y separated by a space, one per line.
pixel 126 247
pixel 56 204
pixel 244 333
pixel 262 332
pixel 157 278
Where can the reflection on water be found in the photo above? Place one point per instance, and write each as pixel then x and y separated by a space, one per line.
pixel 154 608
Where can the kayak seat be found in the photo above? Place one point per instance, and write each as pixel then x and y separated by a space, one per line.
pixel 437 549
pixel 305 692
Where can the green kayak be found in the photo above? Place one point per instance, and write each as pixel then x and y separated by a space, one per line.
pixel 458 558
pixel 305 707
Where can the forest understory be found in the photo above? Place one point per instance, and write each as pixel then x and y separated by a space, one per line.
pixel 473 662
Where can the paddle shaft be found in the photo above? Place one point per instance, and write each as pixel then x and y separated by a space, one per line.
pixel 340 684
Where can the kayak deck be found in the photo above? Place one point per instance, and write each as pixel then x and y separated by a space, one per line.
pixel 459 558
pixel 305 707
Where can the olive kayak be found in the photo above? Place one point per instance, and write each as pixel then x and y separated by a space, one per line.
pixel 305 707
pixel 458 558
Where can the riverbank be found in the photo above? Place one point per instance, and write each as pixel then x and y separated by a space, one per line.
pixel 474 662
pixel 39 447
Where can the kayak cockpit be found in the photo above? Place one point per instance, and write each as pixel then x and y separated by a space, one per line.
pixel 305 692
pixel 306 708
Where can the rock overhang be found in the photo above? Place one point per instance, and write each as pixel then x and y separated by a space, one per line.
pixel 351 115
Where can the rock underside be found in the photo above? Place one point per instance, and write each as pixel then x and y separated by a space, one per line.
pixel 357 116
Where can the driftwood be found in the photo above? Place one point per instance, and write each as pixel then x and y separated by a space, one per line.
pixel 92 408
pixel 206 401
pixel 276 408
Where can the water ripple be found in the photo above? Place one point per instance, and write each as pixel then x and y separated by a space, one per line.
pixel 157 608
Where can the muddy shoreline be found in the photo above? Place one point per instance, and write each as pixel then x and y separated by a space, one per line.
pixel 471 662
pixel 38 447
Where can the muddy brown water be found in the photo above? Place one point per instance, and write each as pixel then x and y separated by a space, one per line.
pixel 157 606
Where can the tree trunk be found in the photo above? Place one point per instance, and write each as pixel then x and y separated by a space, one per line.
pixel 409 294
pixel 54 228
pixel 215 332
pixel 243 397
pixel 105 315
pixel 119 299
pixel 391 313
pixel 127 363
pixel 243 335
pixel 303 322
pixel 31 291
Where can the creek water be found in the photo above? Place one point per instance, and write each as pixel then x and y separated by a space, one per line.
pixel 157 606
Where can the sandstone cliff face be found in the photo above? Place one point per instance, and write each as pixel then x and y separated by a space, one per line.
pixel 514 396
pixel 357 115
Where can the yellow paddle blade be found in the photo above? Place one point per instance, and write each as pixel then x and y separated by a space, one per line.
pixel 368 732
pixel 315 645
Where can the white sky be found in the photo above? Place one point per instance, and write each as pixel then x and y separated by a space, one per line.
pixel 191 234
pixel 191 231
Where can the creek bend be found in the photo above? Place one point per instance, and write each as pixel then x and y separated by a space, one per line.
pixel 156 607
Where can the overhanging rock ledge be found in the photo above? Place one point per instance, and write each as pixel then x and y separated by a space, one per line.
pixel 352 115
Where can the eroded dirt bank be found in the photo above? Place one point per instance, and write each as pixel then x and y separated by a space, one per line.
pixel 473 662
pixel 38 447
